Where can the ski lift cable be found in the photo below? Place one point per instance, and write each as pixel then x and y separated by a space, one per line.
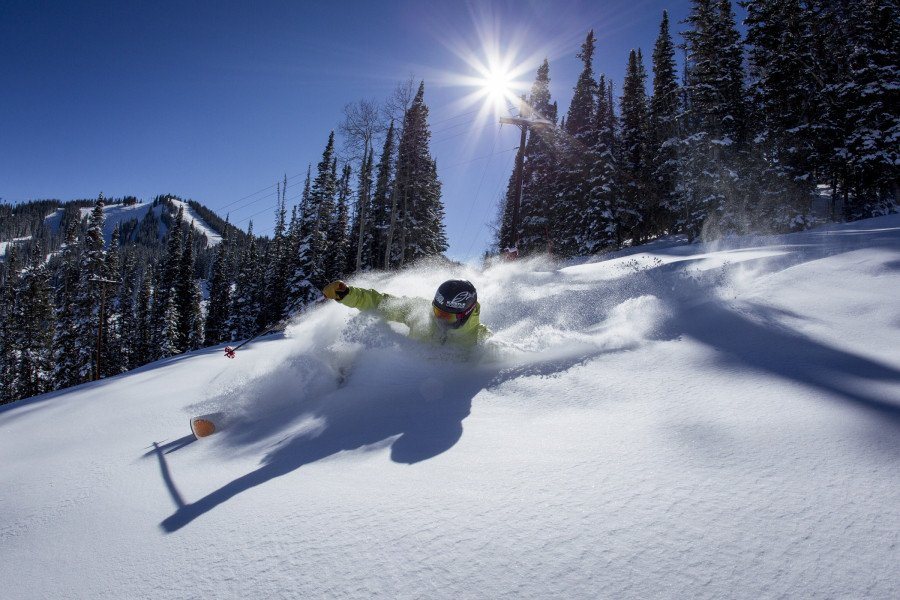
pixel 496 195
pixel 481 182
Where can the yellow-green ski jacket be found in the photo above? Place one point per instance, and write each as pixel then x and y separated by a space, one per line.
pixel 416 314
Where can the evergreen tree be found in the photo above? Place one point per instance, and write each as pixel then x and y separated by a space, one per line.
pixel 128 324
pixel 309 264
pixel 37 325
pixel 166 340
pixel 540 166
pixel 714 140
pixel 247 304
pixel 662 137
pixel 633 161
pixel 337 256
pixel 382 202
pixel 572 185
pixel 362 237
pixel 10 328
pixel 187 299
pixel 66 357
pixel 89 296
pixel 420 211
pixel 606 211
pixel 110 336
pixel 144 351
pixel 218 311
pixel 277 269
pixel 869 99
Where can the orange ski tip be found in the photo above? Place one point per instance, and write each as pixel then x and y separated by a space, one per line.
pixel 202 427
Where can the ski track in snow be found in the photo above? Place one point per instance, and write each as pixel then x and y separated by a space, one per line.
pixel 671 421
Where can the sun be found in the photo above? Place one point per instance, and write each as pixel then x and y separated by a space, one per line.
pixel 497 87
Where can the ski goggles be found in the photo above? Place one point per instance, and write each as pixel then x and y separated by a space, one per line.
pixel 452 319
pixel 443 315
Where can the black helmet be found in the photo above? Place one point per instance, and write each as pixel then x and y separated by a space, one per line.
pixel 454 302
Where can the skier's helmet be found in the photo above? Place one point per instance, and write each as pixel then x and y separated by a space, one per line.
pixel 454 302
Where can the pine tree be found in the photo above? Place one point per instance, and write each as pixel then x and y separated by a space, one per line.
pixel 90 296
pixel 869 99
pixel 110 335
pixel 66 356
pixel 166 340
pixel 10 328
pixel 144 351
pixel 606 211
pixel 540 166
pixel 128 324
pixel 338 253
pixel 362 236
pixel 36 333
pixel 187 299
pixel 709 196
pixel 309 266
pixel 572 184
pixel 247 305
pixel 382 201
pixel 662 139
pixel 419 218
pixel 633 161
pixel 277 270
pixel 218 311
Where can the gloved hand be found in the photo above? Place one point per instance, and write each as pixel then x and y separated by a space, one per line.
pixel 336 290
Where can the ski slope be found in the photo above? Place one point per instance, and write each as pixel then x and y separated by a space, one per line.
pixel 676 421
pixel 116 214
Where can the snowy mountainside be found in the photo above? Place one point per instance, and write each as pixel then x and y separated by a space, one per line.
pixel 673 421
pixel 116 214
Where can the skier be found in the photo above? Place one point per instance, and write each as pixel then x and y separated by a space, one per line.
pixel 454 311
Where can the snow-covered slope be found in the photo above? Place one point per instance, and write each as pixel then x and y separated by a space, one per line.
pixel 116 214
pixel 686 422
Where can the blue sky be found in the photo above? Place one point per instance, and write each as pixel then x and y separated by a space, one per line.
pixel 217 100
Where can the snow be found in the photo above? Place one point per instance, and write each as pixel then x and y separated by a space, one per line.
pixel 116 214
pixel 190 216
pixel 4 245
pixel 677 421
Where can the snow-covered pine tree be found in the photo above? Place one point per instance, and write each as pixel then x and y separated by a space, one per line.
pixel 713 145
pixel 66 355
pixel 606 210
pixel 419 227
pixel 277 269
pixel 309 265
pixel 868 99
pixel 128 325
pixel 166 340
pixel 338 251
pixel 88 300
pixel 110 334
pixel 10 327
pixel 218 309
pixel 36 329
pixel 633 169
pixel 382 201
pixel 788 110
pixel 143 343
pixel 362 239
pixel 662 137
pixel 538 183
pixel 187 298
pixel 247 305
pixel 572 183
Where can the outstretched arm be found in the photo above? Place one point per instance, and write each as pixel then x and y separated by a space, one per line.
pixel 389 307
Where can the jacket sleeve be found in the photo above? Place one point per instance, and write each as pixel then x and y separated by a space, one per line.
pixel 389 307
